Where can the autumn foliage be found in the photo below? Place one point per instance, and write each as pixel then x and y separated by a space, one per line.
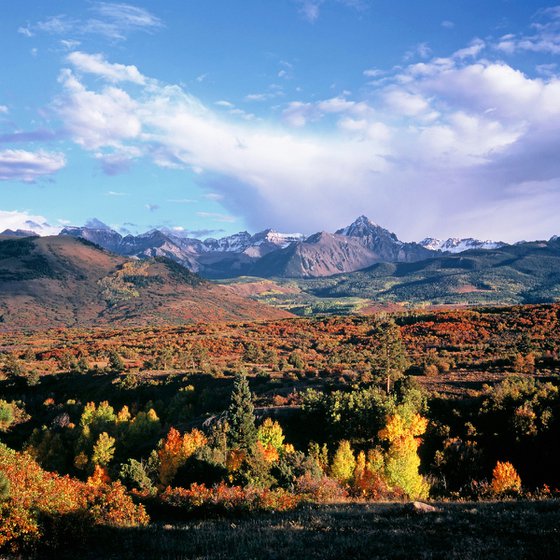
pixel 36 495
pixel 505 479
pixel 402 462
pixel 223 498
pixel 174 451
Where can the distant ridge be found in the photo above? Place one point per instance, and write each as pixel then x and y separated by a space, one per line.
pixel 271 253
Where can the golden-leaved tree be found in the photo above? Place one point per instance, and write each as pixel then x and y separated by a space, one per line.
pixel 401 435
pixel 174 451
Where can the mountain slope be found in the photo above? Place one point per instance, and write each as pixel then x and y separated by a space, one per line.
pixel 322 254
pixel 522 273
pixel 355 247
pixel 62 281
pixel 272 254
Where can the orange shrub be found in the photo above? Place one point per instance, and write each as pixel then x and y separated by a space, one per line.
pixel 322 490
pixel 223 498
pixel 37 496
pixel 505 479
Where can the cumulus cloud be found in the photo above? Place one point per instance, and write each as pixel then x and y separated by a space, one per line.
pixel 97 65
pixel 297 114
pixel 22 165
pixel 14 220
pixel 98 119
pixel 421 152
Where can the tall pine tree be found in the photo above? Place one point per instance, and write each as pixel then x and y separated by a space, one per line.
pixel 241 416
pixel 388 352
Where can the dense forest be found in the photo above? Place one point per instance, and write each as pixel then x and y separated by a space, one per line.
pixel 114 427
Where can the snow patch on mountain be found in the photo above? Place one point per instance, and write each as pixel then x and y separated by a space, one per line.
pixel 458 245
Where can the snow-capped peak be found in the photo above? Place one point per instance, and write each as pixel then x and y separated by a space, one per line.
pixel 235 243
pixel 458 245
pixel 276 238
pixel 364 228
pixel 359 227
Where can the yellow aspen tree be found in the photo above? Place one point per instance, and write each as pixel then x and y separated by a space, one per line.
pixel 344 463
pixel 103 450
pixel 401 460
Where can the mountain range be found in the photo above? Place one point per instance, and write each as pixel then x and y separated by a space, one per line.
pixel 273 254
pixel 63 281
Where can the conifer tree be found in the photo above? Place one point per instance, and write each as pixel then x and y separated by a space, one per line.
pixel 241 418
pixel 388 353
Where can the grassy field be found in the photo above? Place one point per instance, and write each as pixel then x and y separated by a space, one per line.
pixel 504 530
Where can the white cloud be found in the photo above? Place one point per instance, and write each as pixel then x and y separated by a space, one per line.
pixel 373 73
pixel 257 97
pixel 99 119
pixel 405 103
pixel 544 38
pixel 427 147
pixel 473 50
pixel 22 165
pixel 214 196
pixel 298 114
pixel 3 109
pixel 25 31
pixel 128 16
pixel 310 9
pixel 497 86
pixel 113 21
pixel 14 220
pixel 97 65
pixel 70 44
pixel 421 50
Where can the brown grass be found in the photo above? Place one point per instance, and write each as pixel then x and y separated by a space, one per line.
pixel 506 530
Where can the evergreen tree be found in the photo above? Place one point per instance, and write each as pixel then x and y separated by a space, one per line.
pixel 241 418
pixel 389 357
pixel 116 364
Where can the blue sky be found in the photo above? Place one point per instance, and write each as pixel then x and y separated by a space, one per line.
pixel 437 118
